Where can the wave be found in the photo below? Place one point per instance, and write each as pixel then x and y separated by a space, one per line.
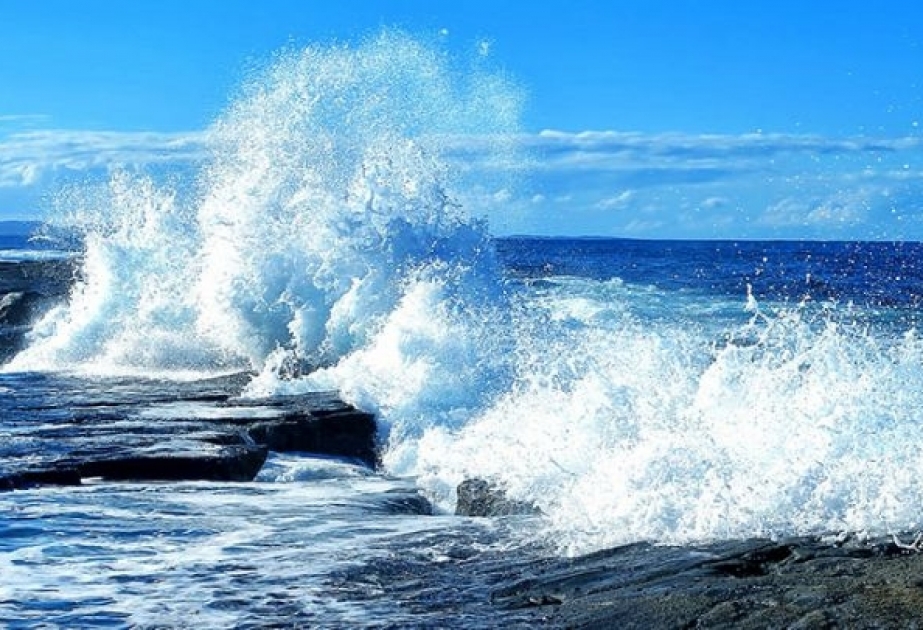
pixel 326 243
pixel 622 429
pixel 326 197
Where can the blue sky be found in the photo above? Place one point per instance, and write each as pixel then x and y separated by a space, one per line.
pixel 650 118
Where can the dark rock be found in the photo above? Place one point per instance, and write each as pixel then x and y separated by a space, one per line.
pixel 399 502
pixel 477 497
pixel 349 434
pixel 801 582
pixel 18 309
pixel 113 430
pixel 753 563
pixel 64 476
pixel 110 428
pixel 28 288
pixel 52 277
pixel 11 342
pixel 234 463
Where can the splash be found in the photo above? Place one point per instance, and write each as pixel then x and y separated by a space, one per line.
pixel 327 243
pixel 623 429
pixel 327 197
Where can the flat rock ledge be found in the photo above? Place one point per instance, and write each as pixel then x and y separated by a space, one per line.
pixel 202 435
pixel 802 582
pixel 807 582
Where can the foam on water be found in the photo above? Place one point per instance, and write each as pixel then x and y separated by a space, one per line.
pixel 623 431
pixel 327 231
pixel 16 255
pixel 153 555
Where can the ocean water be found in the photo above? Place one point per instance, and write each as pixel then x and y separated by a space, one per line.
pixel 672 392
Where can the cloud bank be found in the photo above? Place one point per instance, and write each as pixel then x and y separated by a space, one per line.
pixel 669 185
pixel 28 157
pixel 35 162
pixel 675 185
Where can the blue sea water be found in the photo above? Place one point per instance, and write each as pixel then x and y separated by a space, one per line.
pixel 662 391
pixel 16 246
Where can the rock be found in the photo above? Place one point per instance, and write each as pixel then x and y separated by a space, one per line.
pixel 232 463
pixel 181 431
pixel 349 434
pixel 18 310
pixel 801 582
pixel 407 504
pixel 52 277
pixel 28 288
pixel 191 431
pixel 65 476
pixel 477 497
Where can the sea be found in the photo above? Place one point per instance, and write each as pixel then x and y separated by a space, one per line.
pixel 672 392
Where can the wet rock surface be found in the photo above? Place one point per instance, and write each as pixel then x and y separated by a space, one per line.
pixel 800 582
pixel 52 277
pixel 120 431
pixel 796 583
pixel 344 433
pixel 59 431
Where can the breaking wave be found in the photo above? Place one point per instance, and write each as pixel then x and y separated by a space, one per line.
pixel 333 239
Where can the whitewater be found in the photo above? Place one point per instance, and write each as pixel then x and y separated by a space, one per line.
pixel 335 239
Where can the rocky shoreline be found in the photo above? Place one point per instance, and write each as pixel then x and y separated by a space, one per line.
pixel 835 581
pixel 200 431
pixel 28 288
pixel 201 434
pixel 203 431
pixel 800 582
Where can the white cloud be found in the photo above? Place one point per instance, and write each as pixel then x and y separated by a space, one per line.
pixel 672 154
pixel 835 211
pixel 707 146
pixel 593 182
pixel 22 120
pixel 502 196
pixel 730 186
pixel 28 157
pixel 29 174
pixel 639 227
pixel 616 202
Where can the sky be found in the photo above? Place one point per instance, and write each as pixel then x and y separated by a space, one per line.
pixel 649 118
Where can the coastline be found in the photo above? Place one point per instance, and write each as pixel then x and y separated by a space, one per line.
pixel 800 582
